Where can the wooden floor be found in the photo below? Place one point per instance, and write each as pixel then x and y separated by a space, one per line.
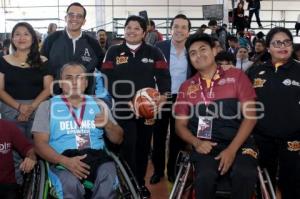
pixel 160 190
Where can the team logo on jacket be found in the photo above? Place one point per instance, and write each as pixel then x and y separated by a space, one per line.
pixel 86 56
pixel 192 89
pixel 289 82
pixel 262 72
pixel 5 147
pixel 259 83
pixel 294 146
pixel 121 60
pixel 146 60
pixel 249 151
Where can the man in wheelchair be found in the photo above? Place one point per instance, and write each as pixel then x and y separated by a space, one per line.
pixel 68 132
pixel 215 113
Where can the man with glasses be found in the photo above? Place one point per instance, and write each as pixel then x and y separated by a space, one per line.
pixel 71 44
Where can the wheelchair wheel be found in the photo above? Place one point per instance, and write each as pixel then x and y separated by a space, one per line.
pixel 128 186
pixel 183 182
pixel 266 190
pixel 35 182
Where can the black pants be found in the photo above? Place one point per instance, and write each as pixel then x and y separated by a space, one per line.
pixel 243 175
pixel 136 146
pixel 159 141
pixel 256 12
pixel 274 155
pixel 9 191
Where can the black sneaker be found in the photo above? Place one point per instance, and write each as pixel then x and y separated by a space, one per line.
pixel 145 192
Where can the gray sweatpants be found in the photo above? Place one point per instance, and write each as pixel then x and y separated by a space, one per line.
pixel 105 184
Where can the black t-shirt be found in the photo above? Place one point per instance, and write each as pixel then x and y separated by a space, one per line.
pixel 23 83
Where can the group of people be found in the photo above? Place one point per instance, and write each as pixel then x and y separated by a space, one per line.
pixel 235 118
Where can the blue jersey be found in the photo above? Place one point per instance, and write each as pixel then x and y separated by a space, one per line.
pixel 65 132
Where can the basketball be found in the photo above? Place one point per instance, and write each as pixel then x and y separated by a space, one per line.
pixel 144 104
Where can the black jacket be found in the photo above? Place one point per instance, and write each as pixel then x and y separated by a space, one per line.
pixel 144 67
pixel 58 48
pixel 279 92
pixel 254 4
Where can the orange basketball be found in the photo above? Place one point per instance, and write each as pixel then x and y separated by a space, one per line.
pixel 144 104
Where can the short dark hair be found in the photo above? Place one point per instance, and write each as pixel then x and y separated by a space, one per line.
pixel 212 22
pixel 196 38
pixel 225 56
pixel 203 26
pixel 101 30
pixel 138 19
pixel 78 5
pixel 199 37
pixel 6 43
pixel 152 23
pixel 184 17
pixel 276 30
pixel 260 41
pixel 233 39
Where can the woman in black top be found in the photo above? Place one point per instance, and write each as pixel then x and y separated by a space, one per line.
pixel 239 18
pixel 277 133
pixel 24 79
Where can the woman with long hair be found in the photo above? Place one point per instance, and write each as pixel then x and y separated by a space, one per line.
pixel 24 79
pixel 239 17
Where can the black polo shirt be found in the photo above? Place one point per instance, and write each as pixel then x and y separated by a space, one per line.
pixel 279 91
pixel 231 88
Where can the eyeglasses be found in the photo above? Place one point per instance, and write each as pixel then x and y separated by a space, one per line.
pixel 278 43
pixel 75 15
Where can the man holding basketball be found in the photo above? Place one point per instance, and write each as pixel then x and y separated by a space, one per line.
pixel 129 67
pixel 215 114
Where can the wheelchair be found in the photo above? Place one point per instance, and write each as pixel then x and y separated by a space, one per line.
pixel 183 185
pixel 37 185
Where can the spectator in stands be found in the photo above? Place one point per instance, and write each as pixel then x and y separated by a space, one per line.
pixel 297 25
pixel 297 52
pixel 243 41
pixel 51 29
pixel 233 45
pixel 5 47
pixel 25 80
pixel 218 32
pixel 239 18
pixel 202 28
pixel 11 139
pixel 102 39
pixel 261 54
pixel 153 36
pixel 259 36
pixel 225 58
pixel 254 8
pixel 218 46
pixel 242 59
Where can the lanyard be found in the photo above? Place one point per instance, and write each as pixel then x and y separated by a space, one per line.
pixel 77 120
pixel 206 101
